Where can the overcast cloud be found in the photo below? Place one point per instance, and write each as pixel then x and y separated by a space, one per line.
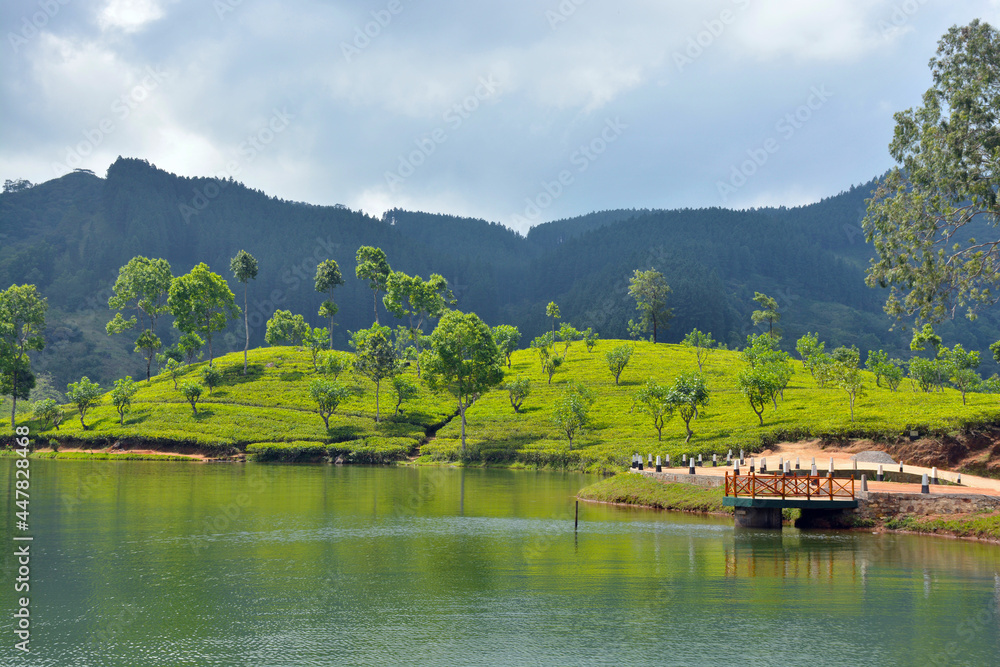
pixel 516 111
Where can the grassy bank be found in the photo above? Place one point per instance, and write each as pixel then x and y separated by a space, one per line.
pixel 981 525
pixel 269 413
pixel 101 456
pixel 632 489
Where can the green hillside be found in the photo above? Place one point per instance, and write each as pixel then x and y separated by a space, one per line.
pixel 272 405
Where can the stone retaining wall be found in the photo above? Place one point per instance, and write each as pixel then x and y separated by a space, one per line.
pixel 684 478
pixel 879 505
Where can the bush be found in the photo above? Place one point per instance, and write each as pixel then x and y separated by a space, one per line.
pixel 379 449
pixel 298 450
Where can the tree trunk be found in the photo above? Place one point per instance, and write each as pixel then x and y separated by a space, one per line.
pixel 149 364
pixel 375 306
pixel 461 409
pixel 689 433
pixel 246 325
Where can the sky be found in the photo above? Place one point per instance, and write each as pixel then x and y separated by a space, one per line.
pixel 514 111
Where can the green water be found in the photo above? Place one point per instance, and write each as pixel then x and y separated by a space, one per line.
pixel 153 563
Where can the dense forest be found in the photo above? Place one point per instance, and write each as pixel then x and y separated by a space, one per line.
pixel 69 236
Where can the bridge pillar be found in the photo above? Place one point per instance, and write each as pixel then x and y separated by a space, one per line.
pixel 758 517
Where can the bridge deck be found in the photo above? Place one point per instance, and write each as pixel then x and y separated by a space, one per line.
pixel 807 491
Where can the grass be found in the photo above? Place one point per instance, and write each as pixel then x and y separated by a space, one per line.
pixel 982 525
pixel 496 433
pixel 271 405
pixel 632 489
pixel 100 456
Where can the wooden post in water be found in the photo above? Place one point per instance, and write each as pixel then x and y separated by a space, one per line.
pixel 576 519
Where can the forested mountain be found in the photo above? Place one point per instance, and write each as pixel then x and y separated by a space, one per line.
pixel 69 236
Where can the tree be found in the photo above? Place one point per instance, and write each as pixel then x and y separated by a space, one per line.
pixel 518 389
pixel 924 373
pixel 285 329
pixel 653 399
pixel 702 344
pixel 48 410
pixel 315 341
pixel 551 364
pixel 687 394
pixel 463 359
pixel 121 396
pixel 506 337
pixel 567 334
pixel 416 299
pixel 174 369
pixel 946 179
pixel 244 268
pixel 17 185
pixel 334 363
pixel 192 392
pixel 810 347
pixel 543 346
pixel 650 292
pixel 876 362
pixel 22 324
pixel 202 303
pixel 375 356
pixel 373 266
pixel 212 377
pixel 618 359
pixel 405 390
pixel 328 278
pixel 962 367
pixel 142 285
pixel 758 385
pixel 328 395
pixel 189 345
pixel 768 313
pixel 847 376
pixel 571 413
pixel 552 310
pixel 84 395
pixel 590 338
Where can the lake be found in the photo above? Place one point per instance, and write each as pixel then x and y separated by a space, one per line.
pixel 156 563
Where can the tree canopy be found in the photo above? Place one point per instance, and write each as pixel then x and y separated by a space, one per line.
pixel 142 285
pixel 244 268
pixel 925 215
pixel 650 291
pixel 22 325
pixel 202 303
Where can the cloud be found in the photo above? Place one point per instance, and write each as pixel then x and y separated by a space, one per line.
pixel 129 15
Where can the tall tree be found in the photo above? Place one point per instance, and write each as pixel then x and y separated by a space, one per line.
pixel 373 266
pixel 650 291
pixel 202 303
pixel 417 300
pixel 947 178
pixel 84 395
pixel 687 394
pixel 244 268
pixel 702 343
pixel 328 278
pixel 142 285
pixel 654 400
pixel 506 336
pixel 375 356
pixel 768 313
pixel 572 410
pixel 463 359
pixel 552 310
pixel 22 324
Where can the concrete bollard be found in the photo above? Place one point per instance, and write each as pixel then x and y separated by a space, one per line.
pixel 649 459
pixel 781 463
pixel 684 458
pixel 959 480
pixel 635 464
pixel 934 477
pixel 881 475
pixel 699 460
pixel 691 466
pixel 736 466
pixel 763 464
pixel 638 461
pixel 751 465
pixel 814 472
pixel 797 466
pixel 729 458
pixel 659 467
pixel 788 465
pixel 668 460
pixel 830 473
pixel 864 484
pixel 924 488
pixel 854 473
pixel 900 466
pixel 715 461
pixel 742 459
